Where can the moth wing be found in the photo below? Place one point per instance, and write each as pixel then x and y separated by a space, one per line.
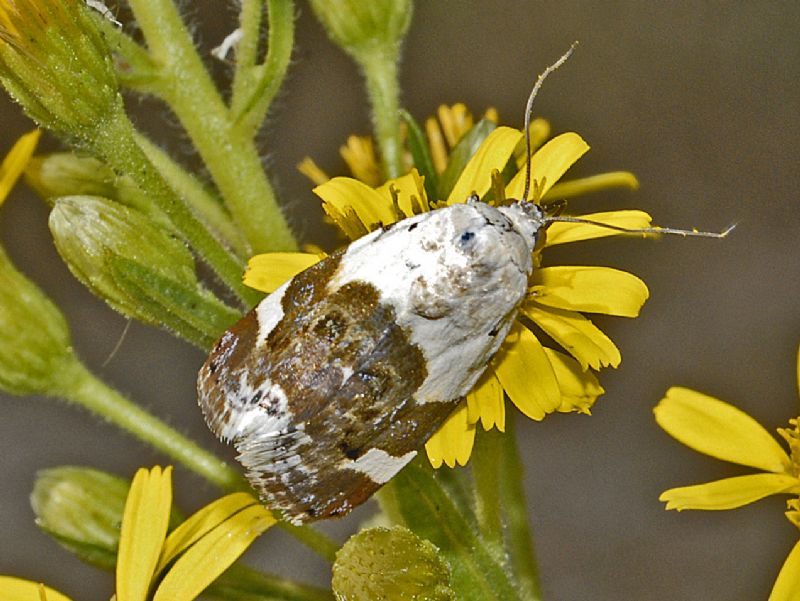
pixel 316 389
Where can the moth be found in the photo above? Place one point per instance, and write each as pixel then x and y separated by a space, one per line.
pixel 333 382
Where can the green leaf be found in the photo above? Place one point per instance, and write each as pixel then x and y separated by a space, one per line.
pixel 461 154
pixel 390 563
pixel 419 498
pixel 418 145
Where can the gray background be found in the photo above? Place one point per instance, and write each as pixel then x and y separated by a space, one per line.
pixel 700 100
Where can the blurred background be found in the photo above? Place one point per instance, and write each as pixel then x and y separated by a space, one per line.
pixel 699 99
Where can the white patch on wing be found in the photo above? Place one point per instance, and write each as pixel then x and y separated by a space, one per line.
pixel 271 414
pixel 378 465
pixel 269 313
pixel 455 278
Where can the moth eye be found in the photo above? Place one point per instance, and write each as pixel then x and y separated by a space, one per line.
pixel 467 236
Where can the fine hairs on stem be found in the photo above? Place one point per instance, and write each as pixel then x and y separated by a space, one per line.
pixel 561 218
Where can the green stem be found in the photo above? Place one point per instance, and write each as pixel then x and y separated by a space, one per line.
pixel 203 203
pixel 242 583
pixel 115 142
pixel 381 72
pixel 229 154
pixel 313 539
pixel 519 539
pixel 85 389
pixel 486 475
pixel 255 86
pixel 246 50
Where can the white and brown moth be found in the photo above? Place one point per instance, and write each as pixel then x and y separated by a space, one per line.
pixel 334 381
pixel 332 384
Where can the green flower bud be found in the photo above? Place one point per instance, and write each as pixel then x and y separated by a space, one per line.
pixel 384 563
pixel 67 174
pixel 81 509
pixel 34 337
pixel 57 65
pixel 359 27
pixel 141 269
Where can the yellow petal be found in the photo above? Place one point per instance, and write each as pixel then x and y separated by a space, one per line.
pixel 201 522
pixel 16 160
pixel 579 389
pixel 213 554
pixel 312 171
pixel 590 289
pixel 787 586
pixel 436 144
pixel 577 334
pixel 526 374
pixel 456 120
pixel 359 154
pixel 593 183
pixel 452 443
pixel 144 527
pixel 492 154
pixel 411 197
pixel 715 428
pixel 562 233
pixel 548 164
pixel 341 195
pixel 269 271
pixel 486 402
pixel 17 589
pixel 729 493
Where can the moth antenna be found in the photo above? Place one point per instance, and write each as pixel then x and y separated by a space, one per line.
pixel 528 110
pixel 643 230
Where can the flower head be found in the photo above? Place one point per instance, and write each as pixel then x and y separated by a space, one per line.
pixel 174 567
pixel 557 298
pixel 720 430
pixel 56 64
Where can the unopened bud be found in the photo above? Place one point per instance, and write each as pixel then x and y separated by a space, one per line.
pixel 34 337
pixel 390 562
pixel 81 508
pixel 359 27
pixel 57 65
pixel 141 269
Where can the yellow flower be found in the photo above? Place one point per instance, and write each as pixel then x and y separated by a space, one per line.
pixel 184 562
pixel 720 430
pixel 557 297
pixel 16 160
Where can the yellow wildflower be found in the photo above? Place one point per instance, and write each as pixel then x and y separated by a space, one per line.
pixel 182 563
pixel 720 430
pixel 557 295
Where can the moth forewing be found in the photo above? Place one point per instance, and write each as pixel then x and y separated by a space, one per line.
pixel 335 381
